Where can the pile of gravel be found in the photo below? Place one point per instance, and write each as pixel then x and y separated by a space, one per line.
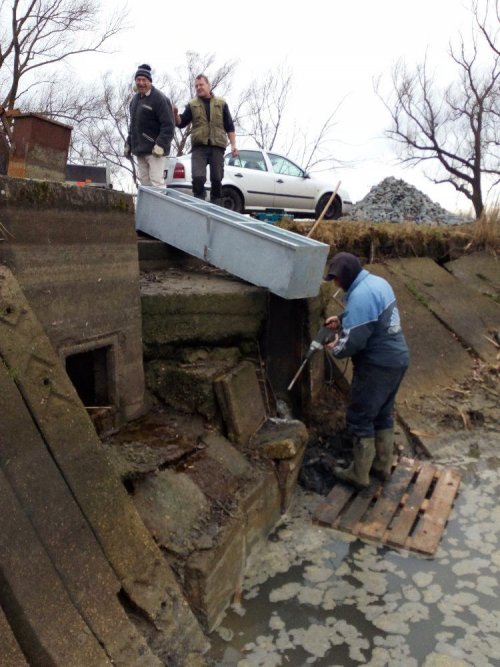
pixel 394 200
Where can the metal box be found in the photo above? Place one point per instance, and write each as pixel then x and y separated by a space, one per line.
pixel 288 264
pixel 41 148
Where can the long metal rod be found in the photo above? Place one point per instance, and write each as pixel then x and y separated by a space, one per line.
pixel 296 376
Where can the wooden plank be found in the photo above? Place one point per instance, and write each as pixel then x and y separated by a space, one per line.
pixel 329 509
pixel 400 529
pixel 387 512
pixel 349 521
pixel 49 630
pixel 10 651
pixel 379 516
pixel 432 523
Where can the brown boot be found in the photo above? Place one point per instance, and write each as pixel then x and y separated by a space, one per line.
pixel 384 447
pixel 358 473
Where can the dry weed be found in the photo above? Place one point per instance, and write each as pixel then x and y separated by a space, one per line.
pixel 372 240
pixel 486 230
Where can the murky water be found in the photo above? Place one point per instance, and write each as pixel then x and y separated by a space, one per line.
pixel 319 597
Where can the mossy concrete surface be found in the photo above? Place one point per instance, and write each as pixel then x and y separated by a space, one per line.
pixel 481 271
pixel 209 512
pixel 25 193
pixel 74 253
pixel 173 508
pixel 63 531
pixel 64 425
pixel 188 388
pixel 241 403
pixel 11 653
pixel 471 316
pixel 196 308
pixel 39 609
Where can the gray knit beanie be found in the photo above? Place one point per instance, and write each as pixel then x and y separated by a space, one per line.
pixel 144 70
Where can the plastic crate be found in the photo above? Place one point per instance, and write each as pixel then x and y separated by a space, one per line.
pixel 273 215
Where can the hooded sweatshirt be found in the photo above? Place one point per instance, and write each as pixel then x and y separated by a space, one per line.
pixel 371 326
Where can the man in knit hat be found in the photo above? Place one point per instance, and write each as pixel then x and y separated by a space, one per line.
pixel 369 332
pixel 151 129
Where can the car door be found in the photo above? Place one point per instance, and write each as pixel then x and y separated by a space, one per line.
pixel 250 173
pixel 294 190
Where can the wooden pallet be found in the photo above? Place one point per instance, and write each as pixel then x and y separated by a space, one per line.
pixel 409 510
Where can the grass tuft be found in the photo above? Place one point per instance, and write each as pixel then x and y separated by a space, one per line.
pixel 372 241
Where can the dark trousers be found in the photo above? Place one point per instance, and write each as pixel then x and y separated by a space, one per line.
pixel 201 157
pixel 373 392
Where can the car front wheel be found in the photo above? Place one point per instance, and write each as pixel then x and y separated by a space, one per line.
pixel 334 210
pixel 232 200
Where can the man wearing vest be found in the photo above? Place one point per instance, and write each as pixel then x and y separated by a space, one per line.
pixel 151 129
pixel 212 124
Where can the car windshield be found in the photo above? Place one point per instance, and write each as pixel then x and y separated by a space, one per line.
pixel 283 166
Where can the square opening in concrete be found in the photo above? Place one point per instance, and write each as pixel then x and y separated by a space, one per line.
pixel 90 371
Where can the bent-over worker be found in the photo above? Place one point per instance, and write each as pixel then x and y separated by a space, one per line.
pixel 369 331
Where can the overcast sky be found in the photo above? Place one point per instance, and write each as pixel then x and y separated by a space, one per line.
pixel 334 50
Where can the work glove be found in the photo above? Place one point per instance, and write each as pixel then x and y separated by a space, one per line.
pixel 158 151
pixel 126 150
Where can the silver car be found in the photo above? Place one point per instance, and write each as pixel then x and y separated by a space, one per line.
pixel 257 180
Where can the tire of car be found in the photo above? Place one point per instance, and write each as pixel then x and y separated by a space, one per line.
pixel 232 200
pixel 334 210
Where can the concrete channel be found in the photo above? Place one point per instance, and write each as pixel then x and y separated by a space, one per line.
pixel 147 453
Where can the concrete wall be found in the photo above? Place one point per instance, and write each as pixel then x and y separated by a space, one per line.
pixel 74 252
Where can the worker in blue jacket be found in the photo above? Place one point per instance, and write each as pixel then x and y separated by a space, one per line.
pixel 369 331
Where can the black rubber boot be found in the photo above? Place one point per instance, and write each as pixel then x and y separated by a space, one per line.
pixel 384 451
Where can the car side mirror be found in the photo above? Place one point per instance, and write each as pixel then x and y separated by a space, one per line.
pixel 306 175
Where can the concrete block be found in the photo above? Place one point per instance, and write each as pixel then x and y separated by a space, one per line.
pixel 261 504
pixel 184 308
pixel 225 454
pixel 154 255
pixel 278 449
pixel 212 577
pixel 173 508
pixel 277 431
pixel 74 252
pixel 187 387
pixel 240 400
pixel 288 473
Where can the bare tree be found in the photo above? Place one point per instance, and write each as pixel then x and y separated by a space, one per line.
pixel 455 128
pixel 264 117
pixel 36 34
pixel 264 110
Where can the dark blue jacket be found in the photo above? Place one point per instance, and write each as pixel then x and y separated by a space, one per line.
pixel 151 122
pixel 371 327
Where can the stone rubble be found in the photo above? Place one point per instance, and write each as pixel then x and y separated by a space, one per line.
pixel 394 200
